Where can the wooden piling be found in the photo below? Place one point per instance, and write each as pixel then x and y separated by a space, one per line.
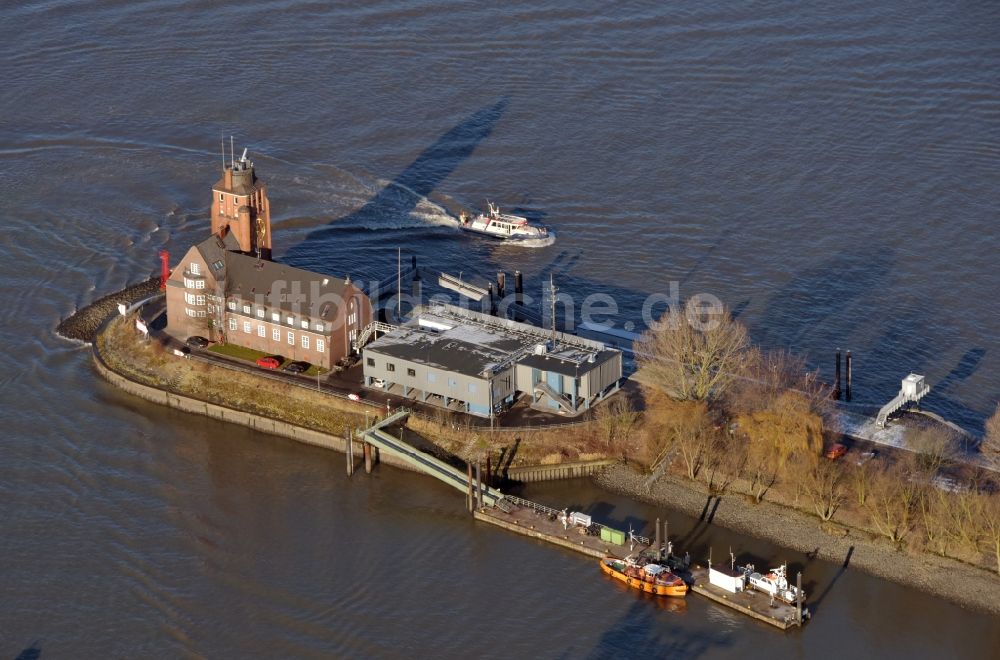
pixel 518 288
pixel 659 543
pixel 798 598
pixel 501 284
pixel 489 472
pixel 349 451
pixel 368 458
pixel 479 485
pixel 848 375
pixel 469 498
pixel 836 386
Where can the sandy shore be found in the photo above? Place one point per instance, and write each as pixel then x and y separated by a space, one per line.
pixel 966 585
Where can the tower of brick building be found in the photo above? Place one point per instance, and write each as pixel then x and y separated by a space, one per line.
pixel 240 207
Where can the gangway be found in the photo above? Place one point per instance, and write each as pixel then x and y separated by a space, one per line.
pixel 424 462
pixel 914 388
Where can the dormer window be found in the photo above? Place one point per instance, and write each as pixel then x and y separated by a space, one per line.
pixel 195 268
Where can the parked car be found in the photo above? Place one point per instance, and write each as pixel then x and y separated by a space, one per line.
pixel 379 383
pixel 182 352
pixel 268 363
pixel 296 367
pixel 354 396
pixel 835 451
pixel 197 342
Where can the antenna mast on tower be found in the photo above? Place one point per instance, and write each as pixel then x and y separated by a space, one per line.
pixel 552 295
pixel 232 157
pixel 222 149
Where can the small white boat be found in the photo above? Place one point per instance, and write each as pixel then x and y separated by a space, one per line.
pixel 774 583
pixel 501 225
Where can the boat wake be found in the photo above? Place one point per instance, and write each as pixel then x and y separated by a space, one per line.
pixel 534 243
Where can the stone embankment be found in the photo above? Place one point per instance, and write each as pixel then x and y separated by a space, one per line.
pixel 946 578
pixel 84 323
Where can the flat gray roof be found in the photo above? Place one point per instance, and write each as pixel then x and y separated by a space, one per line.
pixel 466 342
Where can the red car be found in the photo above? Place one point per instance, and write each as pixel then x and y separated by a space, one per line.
pixel 835 451
pixel 268 363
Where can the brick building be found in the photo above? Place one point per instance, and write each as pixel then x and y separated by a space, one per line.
pixel 225 292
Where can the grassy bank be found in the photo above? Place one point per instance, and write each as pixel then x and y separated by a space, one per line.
pixel 150 364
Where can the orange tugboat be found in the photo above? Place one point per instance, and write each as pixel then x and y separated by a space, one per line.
pixel 655 579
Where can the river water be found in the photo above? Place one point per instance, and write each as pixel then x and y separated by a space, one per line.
pixel 828 170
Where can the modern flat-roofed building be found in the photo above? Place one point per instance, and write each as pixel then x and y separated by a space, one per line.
pixel 476 363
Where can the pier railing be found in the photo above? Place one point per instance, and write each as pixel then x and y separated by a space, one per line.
pixel 543 510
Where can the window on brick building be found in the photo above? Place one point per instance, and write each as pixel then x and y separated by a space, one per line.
pixel 291 339
pixel 276 334
pixel 195 268
pixel 320 345
pixel 246 327
pixel 305 341
pixel 261 331
pixel 232 324
pixel 260 312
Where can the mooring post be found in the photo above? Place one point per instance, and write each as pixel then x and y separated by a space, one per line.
pixel 349 451
pixel 469 498
pixel 658 545
pixel 798 597
pixel 518 288
pixel 836 387
pixel 501 284
pixel 489 473
pixel 848 376
pixel 368 458
pixel 479 485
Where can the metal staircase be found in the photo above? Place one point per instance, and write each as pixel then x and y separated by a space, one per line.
pixel 913 389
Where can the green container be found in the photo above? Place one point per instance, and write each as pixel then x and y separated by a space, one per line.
pixel 612 536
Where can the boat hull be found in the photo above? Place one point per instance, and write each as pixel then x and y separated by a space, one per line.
pixel 676 591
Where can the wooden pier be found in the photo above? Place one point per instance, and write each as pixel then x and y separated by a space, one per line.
pixel 753 603
pixel 540 523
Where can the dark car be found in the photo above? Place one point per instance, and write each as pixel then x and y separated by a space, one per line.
pixel 296 367
pixel 197 342
pixel 268 363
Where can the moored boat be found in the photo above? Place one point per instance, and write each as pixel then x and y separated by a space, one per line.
pixel 652 578
pixel 501 225
pixel 774 582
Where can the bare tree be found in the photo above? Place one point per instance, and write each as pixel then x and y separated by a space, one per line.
pixel 684 429
pixel 724 462
pixel 693 360
pixel 616 420
pixel 936 448
pixel 861 478
pixel 892 501
pixel 990 525
pixel 990 445
pixel 761 469
pixel 823 482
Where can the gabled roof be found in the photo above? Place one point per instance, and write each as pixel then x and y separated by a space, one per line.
pixel 271 283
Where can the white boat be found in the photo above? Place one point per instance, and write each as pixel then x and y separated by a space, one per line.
pixel 501 225
pixel 774 582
